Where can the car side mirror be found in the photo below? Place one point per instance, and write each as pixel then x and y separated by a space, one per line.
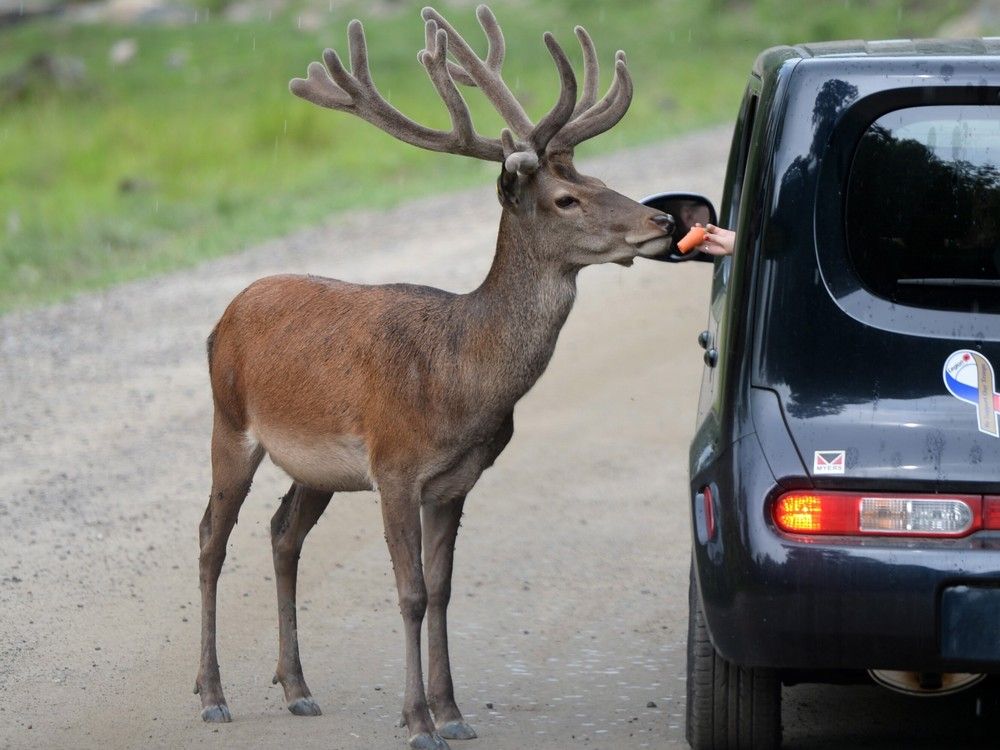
pixel 687 209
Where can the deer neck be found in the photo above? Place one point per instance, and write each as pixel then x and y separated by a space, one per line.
pixel 520 308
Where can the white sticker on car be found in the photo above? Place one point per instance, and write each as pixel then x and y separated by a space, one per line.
pixel 969 377
pixel 829 462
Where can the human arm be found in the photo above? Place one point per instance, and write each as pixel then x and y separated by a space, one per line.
pixel 718 241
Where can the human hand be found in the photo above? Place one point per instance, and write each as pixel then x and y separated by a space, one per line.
pixel 718 241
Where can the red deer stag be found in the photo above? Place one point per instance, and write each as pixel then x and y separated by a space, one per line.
pixel 407 389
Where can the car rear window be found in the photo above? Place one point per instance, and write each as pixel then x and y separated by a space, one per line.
pixel 923 208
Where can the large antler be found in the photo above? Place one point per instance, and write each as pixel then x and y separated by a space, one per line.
pixel 589 117
pixel 484 73
pixel 355 92
pixel 568 123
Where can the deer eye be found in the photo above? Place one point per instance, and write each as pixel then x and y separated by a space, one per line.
pixel 566 201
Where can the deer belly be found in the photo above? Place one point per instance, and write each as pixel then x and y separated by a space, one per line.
pixel 338 463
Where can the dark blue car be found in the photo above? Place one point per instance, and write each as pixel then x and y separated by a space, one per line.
pixel 845 466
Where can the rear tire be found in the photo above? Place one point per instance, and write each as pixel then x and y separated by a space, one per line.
pixel 728 707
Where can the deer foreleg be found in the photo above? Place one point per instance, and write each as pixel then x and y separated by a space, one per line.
pixel 440 527
pixel 401 514
pixel 299 511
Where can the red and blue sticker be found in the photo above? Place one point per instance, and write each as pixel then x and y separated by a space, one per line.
pixel 969 377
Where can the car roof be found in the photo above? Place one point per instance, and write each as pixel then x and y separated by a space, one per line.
pixel 771 59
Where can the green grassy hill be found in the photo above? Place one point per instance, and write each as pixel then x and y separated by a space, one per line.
pixel 195 148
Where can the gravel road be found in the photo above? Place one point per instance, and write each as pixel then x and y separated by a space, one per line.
pixel 569 614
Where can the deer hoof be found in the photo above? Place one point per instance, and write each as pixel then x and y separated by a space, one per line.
pixel 456 730
pixel 219 713
pixel 427 741
pixel 304 707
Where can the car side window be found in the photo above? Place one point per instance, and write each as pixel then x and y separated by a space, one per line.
pixel 734 191
pixel 738 164
pixel 923 208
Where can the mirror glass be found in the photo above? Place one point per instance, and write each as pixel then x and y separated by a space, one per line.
pixel 687 209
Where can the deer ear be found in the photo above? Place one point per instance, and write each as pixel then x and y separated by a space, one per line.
pixel 509 190
pixel 518 169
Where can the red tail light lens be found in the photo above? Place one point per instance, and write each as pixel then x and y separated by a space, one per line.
pixel 991 512
pixel 872 514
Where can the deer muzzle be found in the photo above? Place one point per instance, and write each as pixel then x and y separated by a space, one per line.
pixel 654 237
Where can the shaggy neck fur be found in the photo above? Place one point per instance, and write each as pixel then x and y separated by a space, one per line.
pixel 518 311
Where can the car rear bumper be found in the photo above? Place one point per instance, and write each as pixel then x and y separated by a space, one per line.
pixel 826 607
pixel 774 600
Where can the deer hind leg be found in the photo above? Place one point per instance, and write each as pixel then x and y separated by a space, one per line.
pixel 299 511
pixel 401 515
pixel 234 461
pixel 440 528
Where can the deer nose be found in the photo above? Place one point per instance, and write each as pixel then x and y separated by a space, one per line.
pixel 664 221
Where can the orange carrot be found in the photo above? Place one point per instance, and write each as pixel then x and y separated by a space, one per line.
pixel 688 242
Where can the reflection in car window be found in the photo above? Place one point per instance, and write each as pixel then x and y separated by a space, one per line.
pixel 923 208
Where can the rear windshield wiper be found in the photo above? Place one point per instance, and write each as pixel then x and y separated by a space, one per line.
pixel 994 283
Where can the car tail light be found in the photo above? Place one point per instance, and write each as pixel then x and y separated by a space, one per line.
pixel 991 512
pixel 897 515
pixel 810 513
pixel 870 514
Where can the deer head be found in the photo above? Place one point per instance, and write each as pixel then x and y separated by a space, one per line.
pixel 551 211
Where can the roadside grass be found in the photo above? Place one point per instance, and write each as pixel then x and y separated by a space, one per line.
pixel 153 166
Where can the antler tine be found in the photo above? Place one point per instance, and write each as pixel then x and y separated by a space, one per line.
pixel 474 71
pixel 591 71
pixel 435 59
pixel 619 87
pixel 560 114
pixel 495 51
pixel 319 89
pixel 603 115
pixel 358 48
pixel 355 93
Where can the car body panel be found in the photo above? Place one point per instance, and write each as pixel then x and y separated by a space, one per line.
pixel 806 363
